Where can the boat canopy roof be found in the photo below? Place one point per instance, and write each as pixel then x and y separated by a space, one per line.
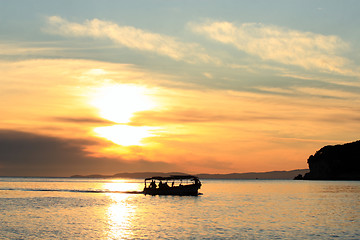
pixel 173 177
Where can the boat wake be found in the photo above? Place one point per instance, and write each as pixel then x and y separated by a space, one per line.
pixel 69 190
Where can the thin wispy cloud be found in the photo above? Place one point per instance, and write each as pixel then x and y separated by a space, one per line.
pixel 286 46
pixel 130 37
pixel 18 49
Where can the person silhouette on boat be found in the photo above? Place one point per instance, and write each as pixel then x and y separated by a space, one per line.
pixel 163 185
pixel 152 184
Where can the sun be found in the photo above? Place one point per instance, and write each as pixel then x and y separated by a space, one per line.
pixel 119 103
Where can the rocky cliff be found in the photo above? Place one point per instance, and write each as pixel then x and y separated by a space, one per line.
pixel 339 162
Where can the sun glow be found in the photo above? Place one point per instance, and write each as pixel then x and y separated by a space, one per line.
pixel 125 135
pixel 118 103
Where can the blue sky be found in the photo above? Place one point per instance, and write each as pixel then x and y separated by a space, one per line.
pixel 25 22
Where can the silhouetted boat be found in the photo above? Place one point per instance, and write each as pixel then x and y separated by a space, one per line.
pixel 183 185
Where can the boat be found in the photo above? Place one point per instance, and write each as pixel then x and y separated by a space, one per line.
pixel 181 185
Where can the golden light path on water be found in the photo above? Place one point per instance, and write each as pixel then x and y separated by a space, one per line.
pixel 118 103
pixel 121 211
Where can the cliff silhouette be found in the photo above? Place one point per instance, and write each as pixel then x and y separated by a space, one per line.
pixel 338 162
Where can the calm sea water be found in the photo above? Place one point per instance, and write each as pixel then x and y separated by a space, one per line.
pixel 61 208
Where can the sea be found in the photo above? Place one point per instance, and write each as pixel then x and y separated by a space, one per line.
pixel 69 208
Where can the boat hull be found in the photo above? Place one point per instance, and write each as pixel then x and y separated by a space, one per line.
pixel 188 190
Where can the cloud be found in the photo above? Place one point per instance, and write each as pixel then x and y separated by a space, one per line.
pixel 83 120
pixel 188 116
pixel 10 49
pixel 29 154
pixel 208 75
pixel 305 49
pixel 130 37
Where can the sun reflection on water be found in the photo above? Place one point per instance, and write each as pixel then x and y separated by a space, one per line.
pixel 121 211
pixel 119 216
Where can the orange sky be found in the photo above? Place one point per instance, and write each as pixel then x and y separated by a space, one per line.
pixel 192 129
pixel 89 94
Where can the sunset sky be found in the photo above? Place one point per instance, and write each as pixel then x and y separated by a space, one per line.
pixel 158 85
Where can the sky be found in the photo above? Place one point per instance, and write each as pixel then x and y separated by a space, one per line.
pixel 164 85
